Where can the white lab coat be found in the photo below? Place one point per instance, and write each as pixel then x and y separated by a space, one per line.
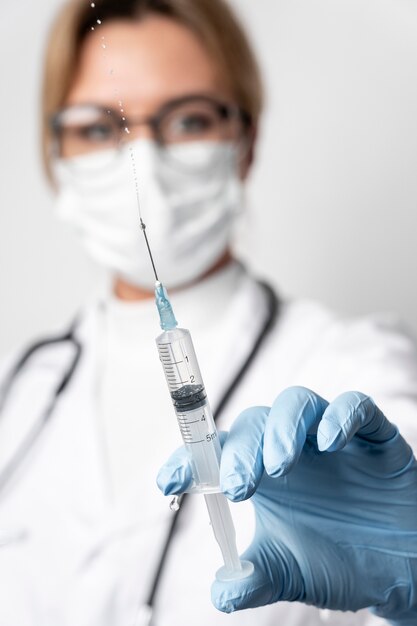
pixel 72 556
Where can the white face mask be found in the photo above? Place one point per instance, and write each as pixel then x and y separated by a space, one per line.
pixel 188 215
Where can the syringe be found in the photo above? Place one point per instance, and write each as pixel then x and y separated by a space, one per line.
pixel 198 431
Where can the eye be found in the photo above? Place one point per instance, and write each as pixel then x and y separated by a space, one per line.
pixel 98 132
pixel 193 123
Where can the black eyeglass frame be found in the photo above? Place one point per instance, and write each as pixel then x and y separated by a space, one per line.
pixel 155 121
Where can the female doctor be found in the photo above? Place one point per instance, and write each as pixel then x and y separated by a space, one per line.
pixel 161 99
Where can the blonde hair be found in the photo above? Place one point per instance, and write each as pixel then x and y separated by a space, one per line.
pixel 211 20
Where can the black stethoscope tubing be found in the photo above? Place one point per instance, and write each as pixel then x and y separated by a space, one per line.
pixel 32 436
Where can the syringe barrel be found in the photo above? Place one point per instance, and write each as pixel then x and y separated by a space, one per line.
pixel 188 395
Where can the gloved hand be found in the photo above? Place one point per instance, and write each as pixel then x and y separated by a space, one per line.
pixel 335 493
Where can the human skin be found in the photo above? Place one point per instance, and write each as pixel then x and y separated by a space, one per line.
pixel 145 64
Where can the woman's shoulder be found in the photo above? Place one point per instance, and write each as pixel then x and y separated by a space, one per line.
pixel 334 330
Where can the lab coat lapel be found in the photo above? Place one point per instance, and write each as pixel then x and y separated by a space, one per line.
pixel 84 465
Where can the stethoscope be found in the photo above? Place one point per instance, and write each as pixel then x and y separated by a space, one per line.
pixel 69 337
pixel 24 448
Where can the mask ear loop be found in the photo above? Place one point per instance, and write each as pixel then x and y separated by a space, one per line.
pixel 248 137
pixel 52 152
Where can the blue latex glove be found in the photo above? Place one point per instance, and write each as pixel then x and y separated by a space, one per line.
pixel 335 493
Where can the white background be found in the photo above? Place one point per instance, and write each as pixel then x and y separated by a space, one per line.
pixel 333 198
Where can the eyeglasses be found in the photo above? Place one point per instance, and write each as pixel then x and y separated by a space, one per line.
pixel 84 129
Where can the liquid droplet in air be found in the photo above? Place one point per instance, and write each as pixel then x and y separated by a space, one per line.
pixel 93 4
pixel 92 28
pixel 98 21
pixel 127 130
pixel 174 505
pixel 103 45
